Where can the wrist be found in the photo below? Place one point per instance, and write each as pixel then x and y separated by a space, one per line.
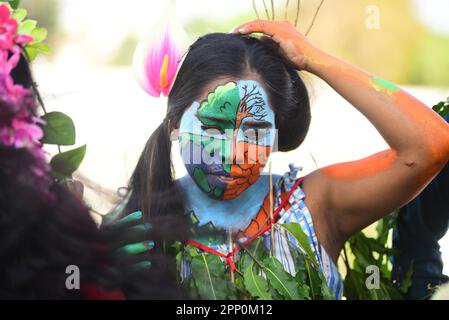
pixel 316 60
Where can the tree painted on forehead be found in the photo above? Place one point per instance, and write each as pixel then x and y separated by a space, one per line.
pixel 226 108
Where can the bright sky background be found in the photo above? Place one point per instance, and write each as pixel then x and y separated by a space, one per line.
pixel 434 13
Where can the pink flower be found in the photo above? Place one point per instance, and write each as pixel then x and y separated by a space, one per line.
pixel 10 41
pixel 13 97
pixel 157 57
pixel 8 28
pixel 18 125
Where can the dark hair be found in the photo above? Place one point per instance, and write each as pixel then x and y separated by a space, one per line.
pixel 41 236
pixel 211 57
pixel 44 231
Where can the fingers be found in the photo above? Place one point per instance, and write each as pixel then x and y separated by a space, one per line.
pixel 256 26
pixel 269 28
pixel 137 248
pixel 137 233
pixel 143 265
pixel 130 220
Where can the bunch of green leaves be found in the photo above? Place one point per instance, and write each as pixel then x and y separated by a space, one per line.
pixel 59 130
pixel 260 275
pixel 373 251
pixel 29 27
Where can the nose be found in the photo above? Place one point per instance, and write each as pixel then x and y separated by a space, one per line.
pixel 225 151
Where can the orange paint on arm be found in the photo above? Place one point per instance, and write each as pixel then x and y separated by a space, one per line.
pixel 363 168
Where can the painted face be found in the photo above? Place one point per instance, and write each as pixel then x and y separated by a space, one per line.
pixel 225 140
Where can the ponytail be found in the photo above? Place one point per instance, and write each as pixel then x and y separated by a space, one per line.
pixel 153 188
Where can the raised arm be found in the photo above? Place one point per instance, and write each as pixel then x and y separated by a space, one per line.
pixel 354 194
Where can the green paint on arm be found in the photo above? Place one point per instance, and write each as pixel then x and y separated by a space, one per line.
pixel 382 85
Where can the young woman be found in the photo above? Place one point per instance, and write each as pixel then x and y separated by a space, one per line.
pixel 233 98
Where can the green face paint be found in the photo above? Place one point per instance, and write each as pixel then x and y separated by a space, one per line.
pixel 384 86
pixel 220 109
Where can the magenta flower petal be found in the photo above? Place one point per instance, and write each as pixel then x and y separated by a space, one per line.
pixel 23 39
pixel 4 13
pixel 157 57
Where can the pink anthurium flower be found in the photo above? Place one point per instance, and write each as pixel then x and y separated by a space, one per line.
pixel 158 55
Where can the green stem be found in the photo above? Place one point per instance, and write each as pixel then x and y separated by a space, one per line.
pixel 252 256
pixel 310 279
pixel 346 260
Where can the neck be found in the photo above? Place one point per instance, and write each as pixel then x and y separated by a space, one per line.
pixel 235 214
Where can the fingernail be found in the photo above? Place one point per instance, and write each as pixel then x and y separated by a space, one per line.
pixel 131 217
pixel 142 265
pixel 136 214
pixel 147 226
pixel 232 30
pixel 137 248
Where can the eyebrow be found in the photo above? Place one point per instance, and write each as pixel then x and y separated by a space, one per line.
pixel 212 118
pixel 257 124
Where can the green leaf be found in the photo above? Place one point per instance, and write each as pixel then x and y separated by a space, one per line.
pixel 59 130
pixel 14 3
pixel 64 164
pixel 19 14
pixel 27 27
pixel 42 48
pixel 314 279
pixel 282 281
pixel 442 108
pixel 255 284
pixel 303 240
pixel 31 53
pixel 354 286
pixel 361 251
pixel 407 282
pixel 39 34
pixel 206 271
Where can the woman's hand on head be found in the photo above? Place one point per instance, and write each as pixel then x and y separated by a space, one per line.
pixel 296 47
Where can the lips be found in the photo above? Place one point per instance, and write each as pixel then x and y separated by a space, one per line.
pixel 216 171
pixel 226 178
